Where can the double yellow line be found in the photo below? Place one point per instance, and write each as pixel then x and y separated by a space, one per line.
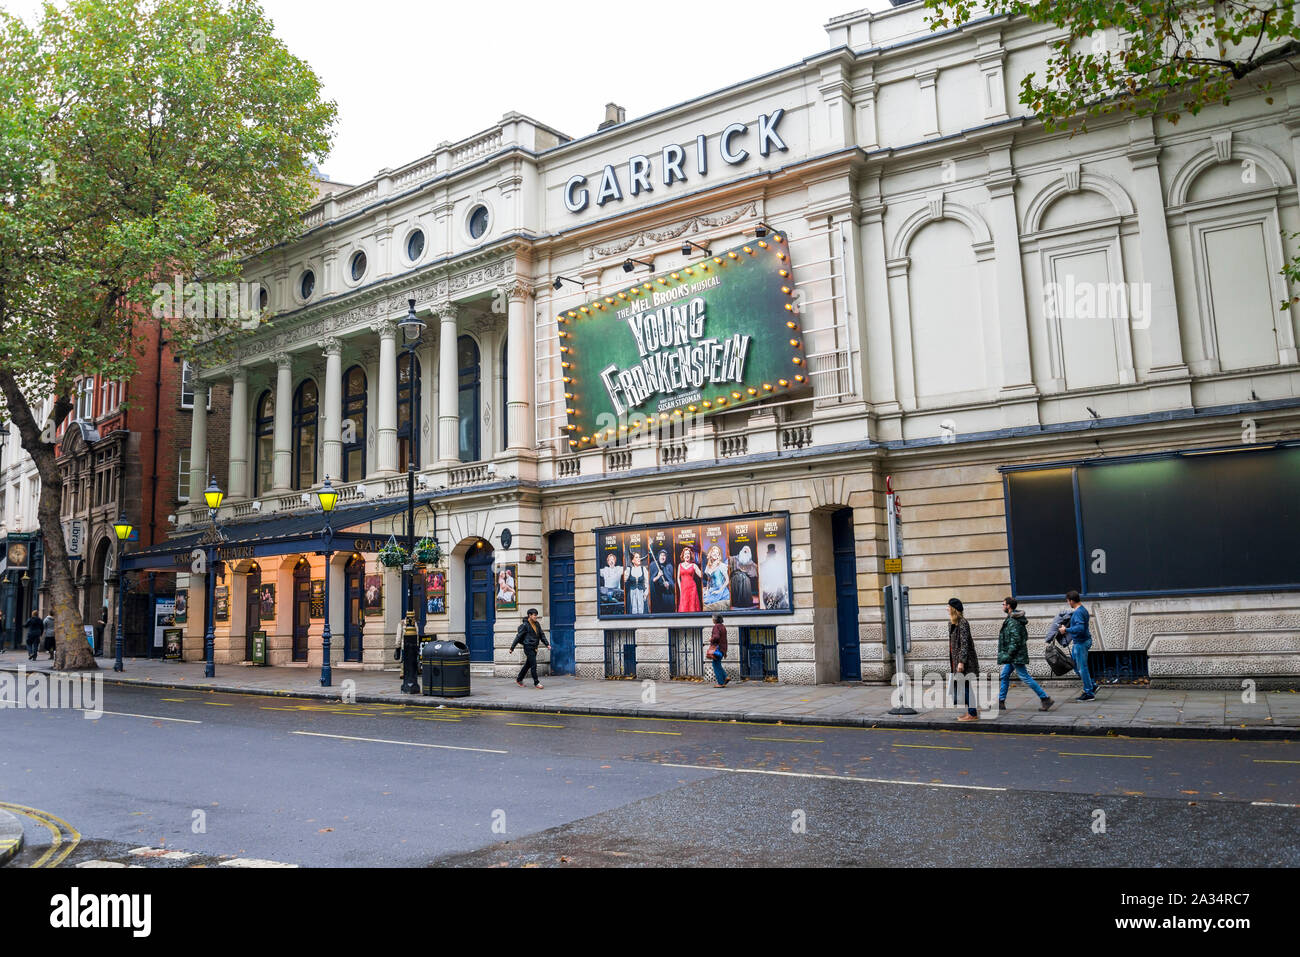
pixel 60 846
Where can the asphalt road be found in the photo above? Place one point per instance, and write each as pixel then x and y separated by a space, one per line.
pixel 228 778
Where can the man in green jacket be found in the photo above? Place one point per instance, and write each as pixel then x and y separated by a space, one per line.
pixel 1013 654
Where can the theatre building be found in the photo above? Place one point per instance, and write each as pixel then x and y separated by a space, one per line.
pixel 667 367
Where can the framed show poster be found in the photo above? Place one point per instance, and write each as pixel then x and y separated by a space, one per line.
pixel 732 565
pixel 318 598
pixel 507 588
pixel 435 593
pixel 374 589
pixel 172 639
pixel 268 602
pixel 182 605
pixel 221 604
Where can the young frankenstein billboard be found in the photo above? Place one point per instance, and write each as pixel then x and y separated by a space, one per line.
pixel 712 336
pixel 740 565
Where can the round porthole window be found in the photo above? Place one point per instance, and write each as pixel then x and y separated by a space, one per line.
pixel 415 245
pixel 308 284
pixel 358 266
pixel 478 222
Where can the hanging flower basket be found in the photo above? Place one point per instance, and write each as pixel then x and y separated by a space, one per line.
pixel 392 555
pixel 427 552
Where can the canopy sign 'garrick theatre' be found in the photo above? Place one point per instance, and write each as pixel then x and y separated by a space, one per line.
pixel 906 277
pixel 706 338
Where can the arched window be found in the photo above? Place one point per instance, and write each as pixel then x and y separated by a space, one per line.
pixel 467 362
pixel 408 412
pixel 305 407
pixel 504 417
pixel 264 444
pixel 354 425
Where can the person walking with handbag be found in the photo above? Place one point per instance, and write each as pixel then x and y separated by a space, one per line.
pixel 48 643
pixel 961 655
pixel 1013 655
pixel 717 651
pixel 530 635
pixel 1080 639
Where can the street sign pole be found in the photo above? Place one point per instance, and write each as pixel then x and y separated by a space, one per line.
pixel 895 567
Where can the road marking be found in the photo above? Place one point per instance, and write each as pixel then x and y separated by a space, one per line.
pixel 59 849
pixel 631 731
pixel 252 862
pixel 151 717
pixel 1267 761
pixel 836 777
pixel 932 747
pixel 420 717
pixel 175 699
pixel 798 740
pixel 219 704
pixel 521 724
pixel 1090 754
pixel 412 744
pixel 162 853
pixel 1271 804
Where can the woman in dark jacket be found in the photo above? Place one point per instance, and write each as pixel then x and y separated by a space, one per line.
pixel 717 651
pixel 35 627
pixel 961 654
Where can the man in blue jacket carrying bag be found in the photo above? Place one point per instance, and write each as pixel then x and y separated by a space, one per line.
pixel 1078 636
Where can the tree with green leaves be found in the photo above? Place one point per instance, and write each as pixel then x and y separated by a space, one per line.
pixel 1161 59
pixel 140 140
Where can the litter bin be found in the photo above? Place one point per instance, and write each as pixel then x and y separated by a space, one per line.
pixel 444 666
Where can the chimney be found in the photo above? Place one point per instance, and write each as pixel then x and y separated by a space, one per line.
pixel 614 115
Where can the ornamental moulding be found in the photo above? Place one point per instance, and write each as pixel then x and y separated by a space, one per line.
pixel 313 329
pixel 692 225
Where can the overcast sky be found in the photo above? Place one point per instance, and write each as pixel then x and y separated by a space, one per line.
pixel 408 75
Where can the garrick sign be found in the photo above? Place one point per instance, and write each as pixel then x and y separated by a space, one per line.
pixel 712 336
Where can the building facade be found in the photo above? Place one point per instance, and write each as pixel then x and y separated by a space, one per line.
pixel 1066 354
pixel 22 560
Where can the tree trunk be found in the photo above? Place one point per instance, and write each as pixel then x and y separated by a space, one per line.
pixel 72 652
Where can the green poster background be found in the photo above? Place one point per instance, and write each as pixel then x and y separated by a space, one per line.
pixel 751 298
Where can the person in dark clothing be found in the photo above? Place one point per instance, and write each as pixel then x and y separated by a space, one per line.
pixel 35 628
pixel 1013 654
pixel 48 644
pixel 961 655
pixel 717 651
pixel 101 627
pixel 529 635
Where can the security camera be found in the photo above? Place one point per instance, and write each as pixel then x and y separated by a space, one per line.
pixel 257 506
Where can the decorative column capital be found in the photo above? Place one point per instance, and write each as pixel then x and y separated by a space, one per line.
pixel 517 291
pixel 239 374
pixel 446 312
pixel 332 346
pixel 282 360
pixel 386 327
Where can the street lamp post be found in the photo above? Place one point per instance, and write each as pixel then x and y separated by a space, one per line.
pixel 213 496
pixel 412 329
pixel 122 529
pixel 328 498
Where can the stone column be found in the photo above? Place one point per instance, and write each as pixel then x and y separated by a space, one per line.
pixel 448 407
pixel 1013 317
pixel 283 464
pixel 927 108
pixel 386 457
pixel 199 441
pixel 238 484
pixel 332 413
pixel 521 432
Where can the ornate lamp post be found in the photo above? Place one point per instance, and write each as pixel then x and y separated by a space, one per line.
pixel 213 496
pixel 327 498
pixel 412 330
pixel 122 529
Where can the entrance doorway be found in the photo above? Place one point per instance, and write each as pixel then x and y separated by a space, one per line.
pixel 354 580
pixel 480 608
pixel 846 593
pixel 252 608
pixel 560 550
pixel 301 608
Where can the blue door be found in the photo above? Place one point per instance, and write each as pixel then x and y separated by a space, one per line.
pixel 480 608
pixel 562 602
pixel 354 579
pixel 846 593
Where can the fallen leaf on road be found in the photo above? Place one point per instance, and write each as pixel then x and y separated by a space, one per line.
pixel 325 830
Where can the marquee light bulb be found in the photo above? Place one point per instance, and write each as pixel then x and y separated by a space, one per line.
pixel 780 256
pixel 798 361
pixel 748 250
pixel 795 343
pixel 573 315
pixel 782 382
pixel 752 391
pixel 622 295
pixel 762 245
pixel 675 276
pixel 731 255
pixel 792 324
pixel 767 387
pixel 785 273
pixel 718 260
pixel 722 401
pixel 610 300
pixel 798 378
pixel 789 307
pixel 735 395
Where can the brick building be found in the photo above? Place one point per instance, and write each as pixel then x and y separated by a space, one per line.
pixel 125 450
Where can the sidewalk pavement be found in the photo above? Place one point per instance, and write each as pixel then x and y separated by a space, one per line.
pixel 1118 710
pixel 11 837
